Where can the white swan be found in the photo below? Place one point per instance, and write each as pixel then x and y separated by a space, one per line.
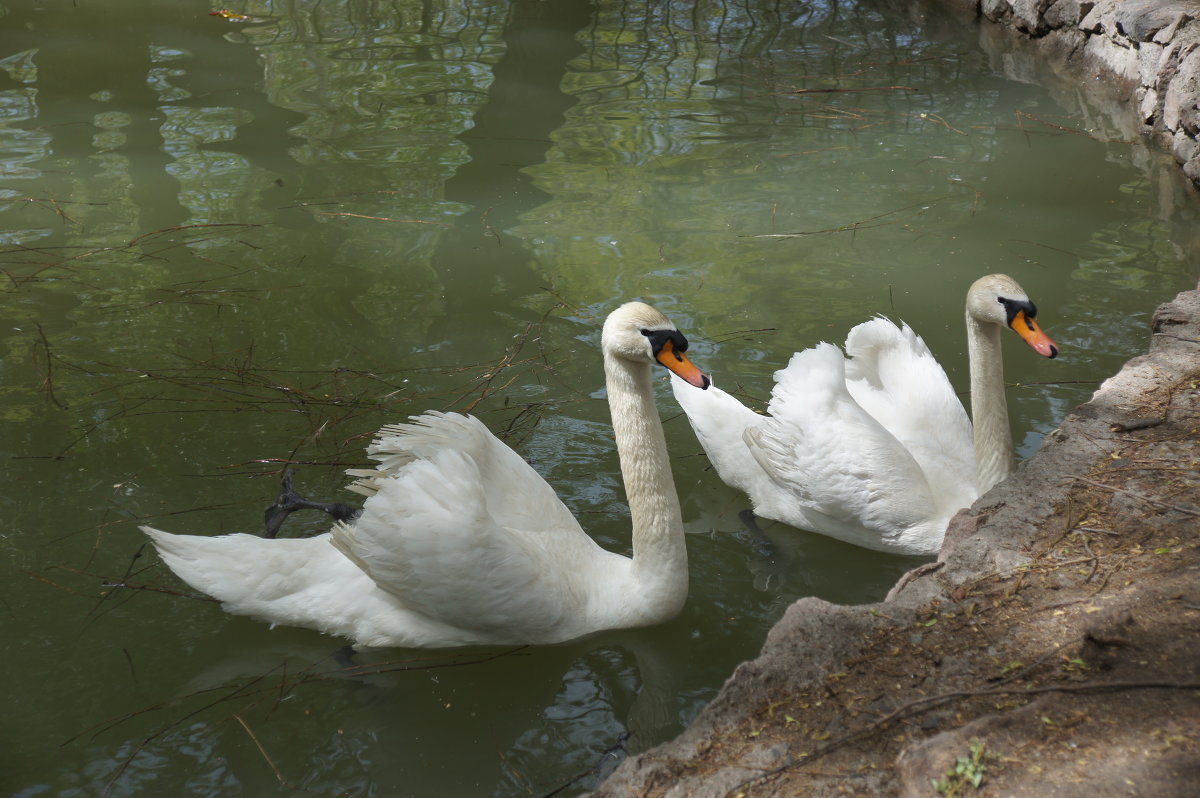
pixel 874 449
pixel 461 542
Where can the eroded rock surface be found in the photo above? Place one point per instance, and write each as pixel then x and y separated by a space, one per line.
pixel 1147 51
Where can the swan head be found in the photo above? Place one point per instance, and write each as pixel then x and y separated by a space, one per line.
pixel 636 331
pixel 999 299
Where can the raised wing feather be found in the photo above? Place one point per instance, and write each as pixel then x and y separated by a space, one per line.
pixel 893 376
pixel 515 494
pixel 836 458
pixel 461 528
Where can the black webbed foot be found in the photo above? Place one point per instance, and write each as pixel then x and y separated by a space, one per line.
pixel 613 755
pixel 766 547
pixel 344 657
pixel 289 502
pixel 770 564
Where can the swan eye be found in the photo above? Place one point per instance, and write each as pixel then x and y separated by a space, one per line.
pixel 659 338
pixel 1014 306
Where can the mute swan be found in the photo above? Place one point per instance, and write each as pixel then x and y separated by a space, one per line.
pixel 461 542
pixel 874 449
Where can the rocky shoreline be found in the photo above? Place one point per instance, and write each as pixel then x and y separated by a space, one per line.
pixel 1054 648
pixel 1141 55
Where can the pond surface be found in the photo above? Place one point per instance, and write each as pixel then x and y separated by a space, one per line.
pixel 227 246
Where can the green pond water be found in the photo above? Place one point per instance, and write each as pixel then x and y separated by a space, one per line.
pixel 227 246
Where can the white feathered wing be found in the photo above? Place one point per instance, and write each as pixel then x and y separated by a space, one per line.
pixel 875 450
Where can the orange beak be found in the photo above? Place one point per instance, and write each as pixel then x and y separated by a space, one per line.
pixel 679 365
pixel 1033 335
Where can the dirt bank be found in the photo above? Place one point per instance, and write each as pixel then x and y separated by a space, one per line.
pixel 1053 650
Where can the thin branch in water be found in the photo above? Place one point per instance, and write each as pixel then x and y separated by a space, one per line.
pixel 1022 115
pixel 54 204
pixel 137 749
pixel 611 751
pixel 862 224
pixel 1047 246
pixel 336 198
pixel 381 218
pixel 163 231
pixel 488 229
pixel 258 744
pixel 132 670
pixel 939 120
pixel 721 338
pixel 843 90
pixel 48 381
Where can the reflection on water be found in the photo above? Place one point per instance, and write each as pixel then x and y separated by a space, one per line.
pixel 243 244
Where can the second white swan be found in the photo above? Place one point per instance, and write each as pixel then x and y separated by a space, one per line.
pixel 461 542
pixel 875 448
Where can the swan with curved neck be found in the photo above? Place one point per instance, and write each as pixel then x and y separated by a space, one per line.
pixel 875 448
pixel 461 542
pixel 995 302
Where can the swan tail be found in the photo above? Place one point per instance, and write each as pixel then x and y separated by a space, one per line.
pixel 238 570
pixel 217 566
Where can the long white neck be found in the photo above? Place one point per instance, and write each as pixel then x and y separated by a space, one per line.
pixel 989 410
pixel 659 568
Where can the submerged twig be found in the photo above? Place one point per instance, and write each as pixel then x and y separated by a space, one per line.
pixel 844 90
pixel 381 218
pixel 258 743
pixel 862 224
pixel 48 381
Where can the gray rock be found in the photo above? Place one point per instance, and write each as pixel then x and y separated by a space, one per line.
pixel 1140 20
